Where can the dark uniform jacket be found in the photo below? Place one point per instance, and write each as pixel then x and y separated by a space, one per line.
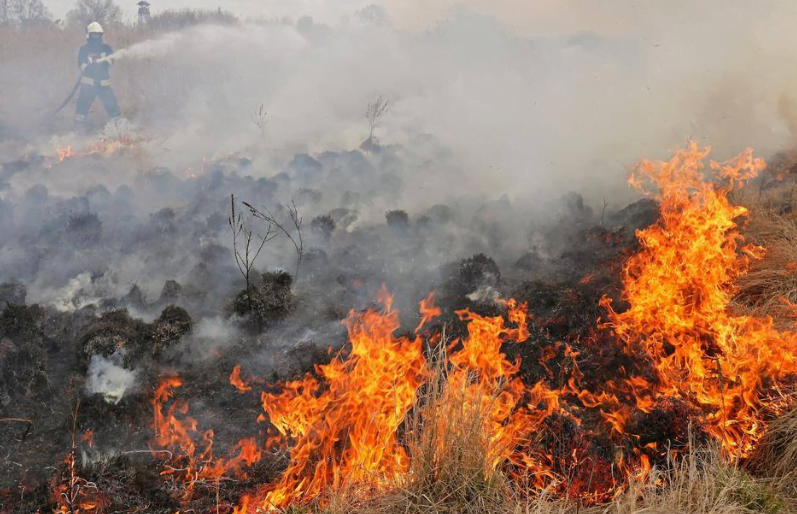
pixel 94 74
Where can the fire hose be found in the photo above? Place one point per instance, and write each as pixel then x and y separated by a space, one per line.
pixel 71 94
pixel 77 85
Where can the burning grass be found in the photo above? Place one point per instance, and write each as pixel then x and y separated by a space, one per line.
pixel 481 428
pixel 770 288
pixel 652 410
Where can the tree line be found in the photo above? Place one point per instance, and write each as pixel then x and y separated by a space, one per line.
pixel 33 12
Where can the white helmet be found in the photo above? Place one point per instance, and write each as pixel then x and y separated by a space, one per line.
pixel 94 28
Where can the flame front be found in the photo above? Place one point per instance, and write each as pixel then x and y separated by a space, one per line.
pixel 64 153
pixel 344 425
pixel 679 288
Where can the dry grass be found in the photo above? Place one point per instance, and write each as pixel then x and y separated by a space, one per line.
pixel 776 455
pixel 700 483
pixel 773 279
pixel 39 65
pixel 449 460
pixel 450 455
pixel 450 473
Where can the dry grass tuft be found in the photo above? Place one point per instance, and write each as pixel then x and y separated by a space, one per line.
pixel 700 483
pixel 771 284
pixel 776 454
pixel 451 459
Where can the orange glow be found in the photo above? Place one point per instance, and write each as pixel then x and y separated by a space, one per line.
pixel 189 461
pixel 102 147
pixel 235 380
pixel 73 494
pixel 64 153
pixel 88 437
pixel 344 424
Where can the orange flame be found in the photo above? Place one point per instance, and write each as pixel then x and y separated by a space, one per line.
pixel 345 430
pixel 88 437
pixel 235 380
pixel 102 146
pixel 428 310
pixel 679 287
pixel 73 494
pixel 175 430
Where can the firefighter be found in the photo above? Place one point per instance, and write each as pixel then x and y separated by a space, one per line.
pixel 95 80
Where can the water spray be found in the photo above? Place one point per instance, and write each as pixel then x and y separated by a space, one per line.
pixel 145 49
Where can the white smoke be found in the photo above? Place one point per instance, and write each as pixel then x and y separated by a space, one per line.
pixel 484 294
pixel 108 378
pixel 74 295
pixel 210 338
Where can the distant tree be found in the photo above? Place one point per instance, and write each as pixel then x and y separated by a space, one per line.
pixel 5 11
pixel 30 11
pixel 373 15
pixel 23 11
pixel 175 19
pixel 106 12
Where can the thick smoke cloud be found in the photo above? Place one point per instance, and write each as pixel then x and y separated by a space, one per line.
pixel 480 110
pixel 551 106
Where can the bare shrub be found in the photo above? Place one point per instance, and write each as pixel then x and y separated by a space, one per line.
pixel 25 12
pixel 373 112
pixel 323 225
pixel 397 219
pixel 246 256
pixel 294 235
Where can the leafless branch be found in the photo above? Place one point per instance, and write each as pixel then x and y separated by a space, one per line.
pixel 603 211
pixel 297 240
pixel 246 261
pixel 21 420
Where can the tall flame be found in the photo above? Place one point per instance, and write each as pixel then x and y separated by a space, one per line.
pixel 679 288
pixel 344 424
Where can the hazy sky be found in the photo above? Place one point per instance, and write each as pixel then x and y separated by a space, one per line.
pixel 521 15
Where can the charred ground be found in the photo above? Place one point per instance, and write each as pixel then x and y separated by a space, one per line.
pixel 61 355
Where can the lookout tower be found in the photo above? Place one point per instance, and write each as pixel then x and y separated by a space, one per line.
pixel 143 11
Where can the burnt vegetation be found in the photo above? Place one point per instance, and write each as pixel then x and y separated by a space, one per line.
pixel 105 299
pixel 286 323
